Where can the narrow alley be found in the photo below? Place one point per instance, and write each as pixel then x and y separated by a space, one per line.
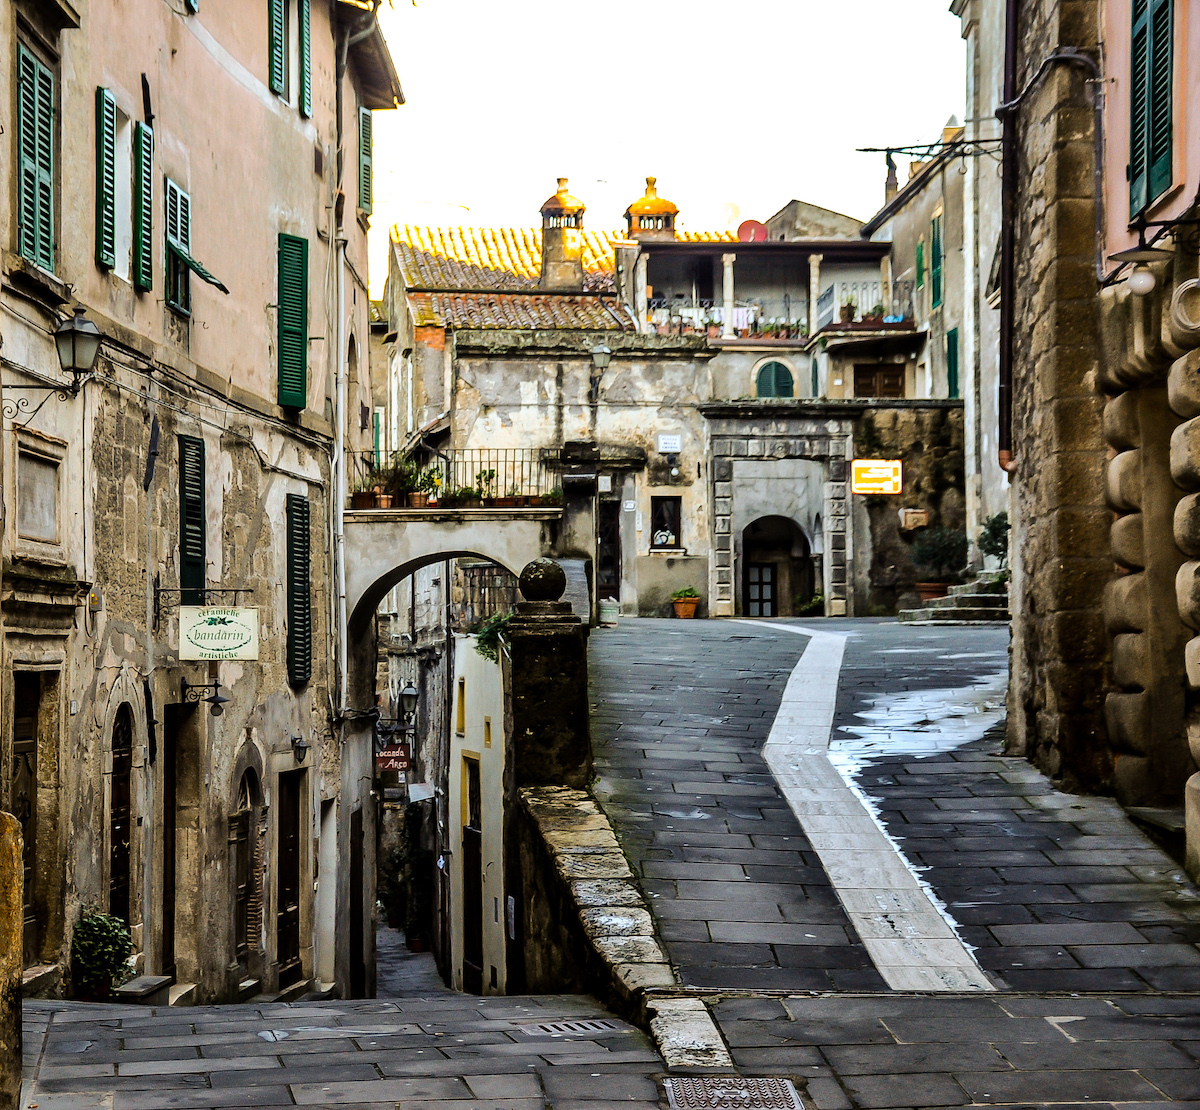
pixel 777 907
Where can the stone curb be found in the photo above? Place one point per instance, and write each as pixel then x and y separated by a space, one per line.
pixel 618 926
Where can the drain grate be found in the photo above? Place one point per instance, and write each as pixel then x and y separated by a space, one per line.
pixel 570 1028
pixel 732 1093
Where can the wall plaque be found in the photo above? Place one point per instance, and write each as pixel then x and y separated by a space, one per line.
pixel 207 632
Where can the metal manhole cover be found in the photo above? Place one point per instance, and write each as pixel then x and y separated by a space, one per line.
pixel 732 1093
pixel 568 1028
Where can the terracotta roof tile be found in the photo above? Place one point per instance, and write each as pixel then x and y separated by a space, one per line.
pixel 519 311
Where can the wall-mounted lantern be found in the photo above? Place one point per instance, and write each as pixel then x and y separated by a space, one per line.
pixel 78 343
pixel 192 695
pixel 300 748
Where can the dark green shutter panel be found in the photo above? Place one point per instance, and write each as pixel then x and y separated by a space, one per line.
pixel 920 263
pixel 952 363
pixel 1150 122
pixel 192 526
pixel 365 179
pixel 935 261
pixel 143 208
pixel 766 380
pixel 277 47
pixel 35 142
pixel 293 322
pixel 106 178
pixel 299 596
pixel 306 57
pixel 816 379
pixel 784 386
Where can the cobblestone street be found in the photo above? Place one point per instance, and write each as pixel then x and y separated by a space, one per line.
pixel 791 903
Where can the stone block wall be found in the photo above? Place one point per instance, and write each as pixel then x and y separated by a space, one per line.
pixel 11 917
pixel 1060 558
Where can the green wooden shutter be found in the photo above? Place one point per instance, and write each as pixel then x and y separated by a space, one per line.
pixel 179 235
pixel 106 178
pixel 816 379
pixel 365 143
pixel 784 386
pixel 306 57
pixel 935 261
pixel 277 46
pixel 952 363
pixel 192 525
pixel 143 208
pixel 299 595
pixel 766 380
pixel 35 142
pixel 1150 123
pixel 293 321
pixel 920 263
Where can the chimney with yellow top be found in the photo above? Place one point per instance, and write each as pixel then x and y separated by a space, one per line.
pixel 562 242
pixel 651 217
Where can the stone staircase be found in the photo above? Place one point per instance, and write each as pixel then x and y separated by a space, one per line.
pixel 984 601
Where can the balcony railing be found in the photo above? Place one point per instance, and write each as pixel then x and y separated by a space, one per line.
pixel 781 317
pixel 869 302
pixel 503 477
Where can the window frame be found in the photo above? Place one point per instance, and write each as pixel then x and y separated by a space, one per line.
pixel 298 512
pixel 41 248
pixel 673 503
pixel 937 254
pixel 292 340
pixel 193 524
pixel 1152 44
pixel 774 392
pixel 953 384
pixel 177 275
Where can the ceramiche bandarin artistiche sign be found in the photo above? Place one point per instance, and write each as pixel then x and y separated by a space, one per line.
pixel 876 476
pixel 207 632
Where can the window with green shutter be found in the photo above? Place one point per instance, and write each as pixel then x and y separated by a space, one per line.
pixel 920 263
pixel 935 260
pixel 952 364
pixel 143 208
pixel 180 264
pixel 35 155
pixel 192 525
pixel 365 145
pixel 305 57
pixel 277 45
pixel 106 178
pixel 816 379
pixel 299 595
pixel 1150 125
pixel 293 322
pixel 775 380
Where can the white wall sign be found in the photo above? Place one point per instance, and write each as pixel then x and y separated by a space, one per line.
pixel 670 444
pixel 604 483
pixel 206 632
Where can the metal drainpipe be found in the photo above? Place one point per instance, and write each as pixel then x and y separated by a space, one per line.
pixel 1008 188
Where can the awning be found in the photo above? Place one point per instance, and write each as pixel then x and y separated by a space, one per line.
pixel 878 343
pixel 195 266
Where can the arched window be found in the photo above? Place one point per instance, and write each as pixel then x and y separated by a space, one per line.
pixel 775 380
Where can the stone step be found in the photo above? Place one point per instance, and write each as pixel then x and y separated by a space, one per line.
pixel 182 994
pixel 959 613
pixel 970 601
pixel 145 990
pixel 980 586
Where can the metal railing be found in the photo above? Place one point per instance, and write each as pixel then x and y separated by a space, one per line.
pixel 781 317
pixel 506 476
pixel 870 302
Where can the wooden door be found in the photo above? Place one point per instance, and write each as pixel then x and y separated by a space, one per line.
pixel 287 910
pixel 760 590
pixel 27 696
pixel 608 550
pixel 172 721
pixel 884 380
pixel 472 849
pixel 119 814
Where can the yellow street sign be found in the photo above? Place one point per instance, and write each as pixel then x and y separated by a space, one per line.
pixel 876 476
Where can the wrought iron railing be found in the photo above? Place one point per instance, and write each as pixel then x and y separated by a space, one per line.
pixel 505 477
pixel 870 302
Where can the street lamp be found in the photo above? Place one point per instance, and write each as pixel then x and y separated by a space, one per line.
pixel 408 701
pixel 601 356
pixel 78 343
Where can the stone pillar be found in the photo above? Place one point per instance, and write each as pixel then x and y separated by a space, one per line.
pixel 11 948
pixel 727 261
pixel 551 745
pixel 814 290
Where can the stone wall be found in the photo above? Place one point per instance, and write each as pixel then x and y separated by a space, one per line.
pixel 1060 556
pixel 929 442
pixel 10 962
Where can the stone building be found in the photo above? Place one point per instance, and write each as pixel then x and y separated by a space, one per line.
pixel 197 465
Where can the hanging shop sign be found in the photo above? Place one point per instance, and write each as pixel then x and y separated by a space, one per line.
pixel 392 758
pixel 876 476
pixel 206 632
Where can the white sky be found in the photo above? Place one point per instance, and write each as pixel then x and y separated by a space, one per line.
pixel 735 108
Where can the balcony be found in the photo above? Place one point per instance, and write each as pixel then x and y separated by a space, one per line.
pixel 871 304
pixel 762 318
pixel 485 478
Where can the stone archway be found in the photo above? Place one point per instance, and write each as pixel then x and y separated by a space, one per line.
pixel 778 570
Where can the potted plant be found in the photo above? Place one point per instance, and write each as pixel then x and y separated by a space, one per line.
pixel 427 484
pixel 554 497
pixel 847 309
pixel 684 602
pixel 938 554
pixel 875 316
pixel 100 945
pixel 467 497
pixel 485 483
pixel 369 491
pixel 713 329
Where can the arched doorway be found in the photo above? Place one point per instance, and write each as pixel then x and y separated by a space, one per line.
pixel 119 814
pixel 778 573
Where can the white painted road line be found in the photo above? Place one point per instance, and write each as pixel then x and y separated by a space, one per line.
pixel 910 940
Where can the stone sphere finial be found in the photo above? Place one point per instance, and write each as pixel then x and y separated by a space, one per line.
pixel 543 580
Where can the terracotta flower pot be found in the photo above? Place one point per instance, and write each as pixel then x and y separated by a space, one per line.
pixel 685 607
pixel 931 590
pixel 418 500
pixel 846 313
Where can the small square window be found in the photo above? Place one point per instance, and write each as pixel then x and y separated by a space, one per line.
pixel 665 531
pixel 37 497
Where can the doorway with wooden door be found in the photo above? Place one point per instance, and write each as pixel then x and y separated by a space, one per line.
pixel 608 550
pixel 119 814
pixel 472 849
pixel 22 801
pixel 879 380
pixel 287 909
